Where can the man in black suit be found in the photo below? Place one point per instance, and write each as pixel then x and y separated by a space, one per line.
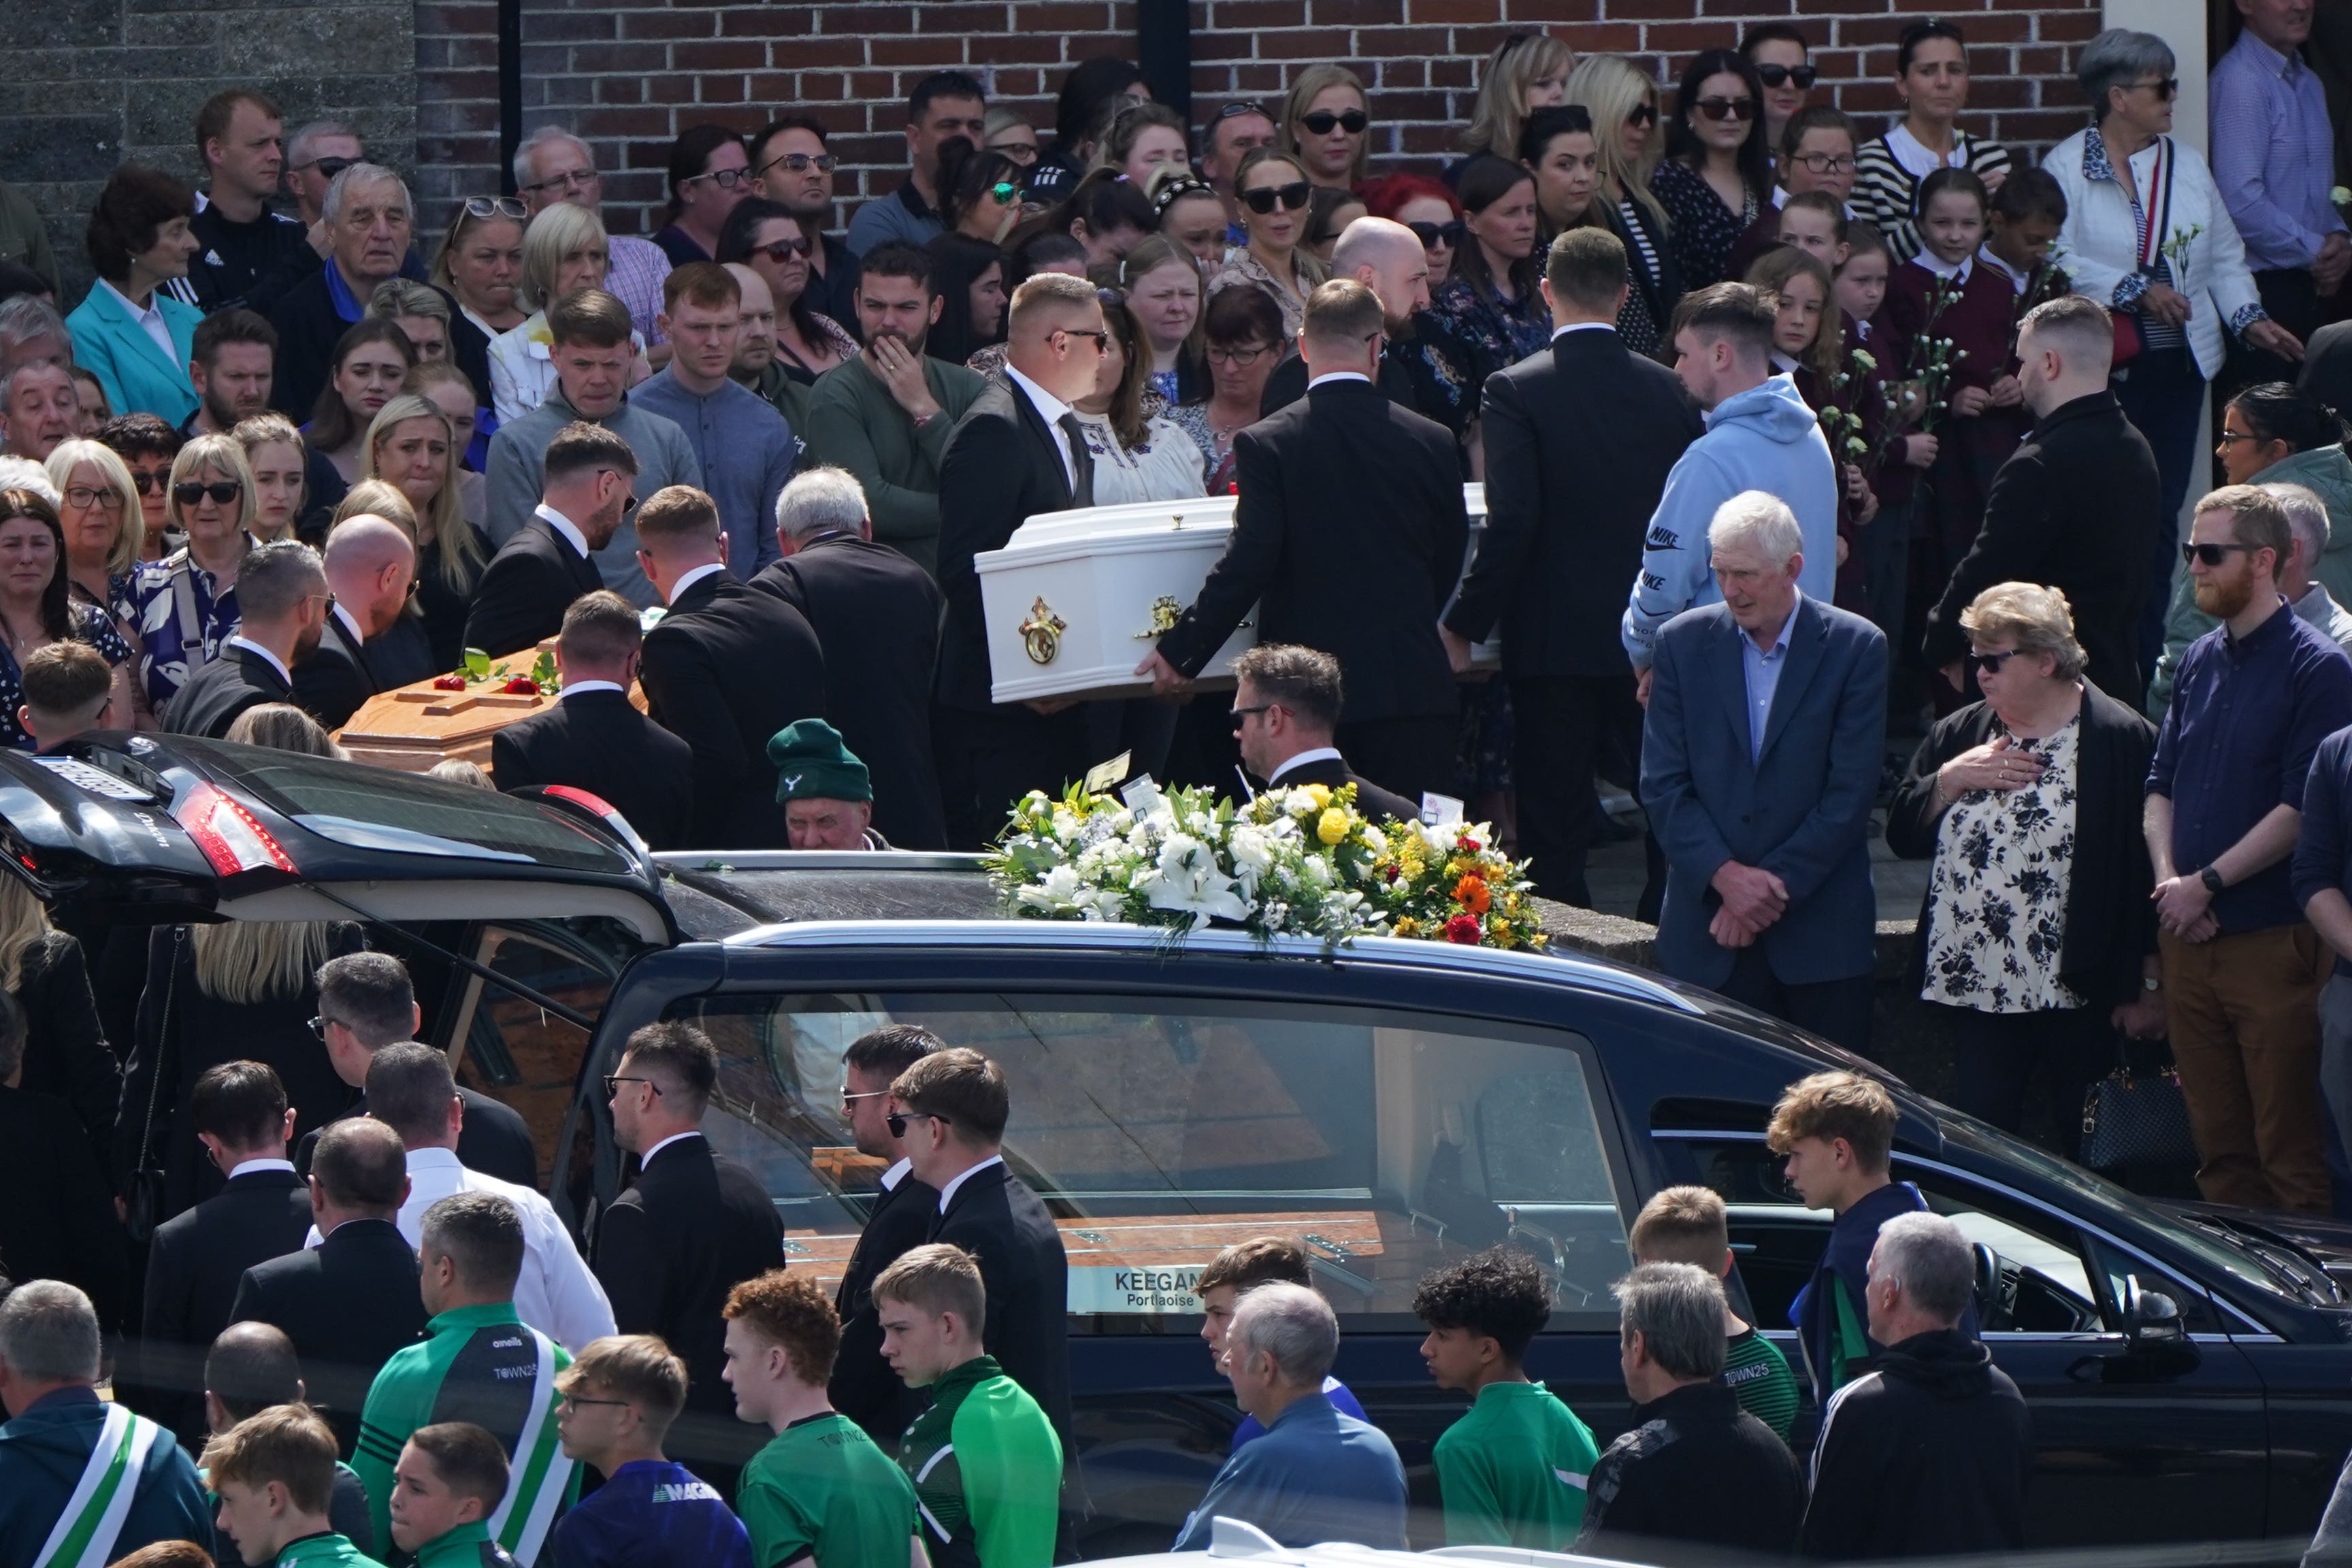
pixel 1015 454
pixel 1348 537
pixel 594 738
pixel 371 568
pixel 1286 700
pixel 877 616
pixel 366 1003
pixel 723 671
pixel 351 1301
pixel 955 1104
pixel 864 1388
pixel 1563 531
pixel 198 1256
pixel 1390 259
pixel 691 1227
pixel 2067 509
pixel 281 592
pixel 590 486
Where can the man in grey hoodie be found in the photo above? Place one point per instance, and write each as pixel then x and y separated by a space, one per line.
pixel 1760 435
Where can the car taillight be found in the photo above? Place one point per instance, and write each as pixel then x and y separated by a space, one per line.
pixel 228 835
pixel 605 811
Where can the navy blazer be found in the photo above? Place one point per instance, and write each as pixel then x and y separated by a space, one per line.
pixel 1801 811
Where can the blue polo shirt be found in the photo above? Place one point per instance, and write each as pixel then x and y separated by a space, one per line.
pixel 2246 718
pixel 2323 851
pixel 1316 1475
pixel 650 1514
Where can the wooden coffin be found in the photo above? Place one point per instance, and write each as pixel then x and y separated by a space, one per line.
pixel 413 727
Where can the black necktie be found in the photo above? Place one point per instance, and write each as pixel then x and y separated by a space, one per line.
pixel 1082 462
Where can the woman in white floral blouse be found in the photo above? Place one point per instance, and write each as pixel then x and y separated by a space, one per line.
pixel 2035 943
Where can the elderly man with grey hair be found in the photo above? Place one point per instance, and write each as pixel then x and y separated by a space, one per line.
pixel 61 1438
pixel 367 220
pixel 1316 1475
pixel 31 328
pixel 553 165
pixel 1695 1467
pixel 281 592
pixel 2305 594
pixel 1760 757
pixel 876 615
pixel 1926 1454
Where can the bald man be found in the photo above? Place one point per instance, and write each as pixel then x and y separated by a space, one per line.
pixel 755 345
pixel 1386 257
pixel 370 566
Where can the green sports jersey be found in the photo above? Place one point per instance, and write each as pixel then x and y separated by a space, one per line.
pixel 1512 1470
pixel 325 1551
pixel 987 1470
pixel 479 1364
pixel 1755 1369
pixel 822 1490
pixel 467 1546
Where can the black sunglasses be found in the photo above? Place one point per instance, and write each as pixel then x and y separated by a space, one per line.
pixel 1990 663
pixel 1801 76
pixel 2212 554
pixel 1643 114
pixel 2165 90
pixel 327 167
pixel 1740 109
pixel 896 1120
pixel 222 491
pixel 1322 122
pixel 1290 197
pixel 149 481
pixel 1449 235
pixel 613 1081
pixel 776 250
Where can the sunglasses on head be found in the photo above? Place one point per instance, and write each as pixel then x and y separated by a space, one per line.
pixel 1800 77
pixel 1322 121
pixel 1740 109
pixel 2212 554
pixel 1449 235
pixel 1290 197
pixel 221 491
pixel 496 207
pixel 776 250
pixel 1238 108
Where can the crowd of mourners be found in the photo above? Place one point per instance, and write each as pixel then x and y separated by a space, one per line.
pixel 1797 437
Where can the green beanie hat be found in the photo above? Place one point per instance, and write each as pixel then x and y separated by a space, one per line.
pixel 813 765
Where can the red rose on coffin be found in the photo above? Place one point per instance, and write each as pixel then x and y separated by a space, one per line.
pixel 449 683
pixel 521 686
pixel 1463 929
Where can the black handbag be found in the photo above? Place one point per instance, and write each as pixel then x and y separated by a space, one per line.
pixel 142 1196
pixel 2137 1118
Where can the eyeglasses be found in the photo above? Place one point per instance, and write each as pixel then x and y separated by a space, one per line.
pixel 570 180
pixel 778 249
pixel 1290 197
pixel 2232 437
pixel 1322 123
pixel 151 482
pixel 1100 339
pixel 1800 77
pixel 1005 192
pixel 802 162
pixel 1826 164
pixel 84 497
pixel 2212 554
pixel 327 167
pixel 1449 235
pixel 849 1100
pixel 1740 109
pixel 896 1120
pixel 496 207
pixel 725 179
pixel 612 1079
pixel 1990 663
pixel 1235 355
pixel 221 491
pixel 2166 88
pixel 1644 115
pixel 576 1401
pixel 321 1023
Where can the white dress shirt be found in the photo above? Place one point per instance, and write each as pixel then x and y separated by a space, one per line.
pixel 678 589
pixel 276 663
pixel 647 1157
pixel 947 1193
pixel 151 320
pixel 1560 332
pixel 1337 375
pixel 357 637
pixel 894 1174
pixel 1050 408
pixel 255 1167
pixel 1319 754
pixel 556 1293
pixel 580 689
pixel 562 525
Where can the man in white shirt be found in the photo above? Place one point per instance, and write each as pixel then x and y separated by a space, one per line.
pixel 410 1089
pixel 281 589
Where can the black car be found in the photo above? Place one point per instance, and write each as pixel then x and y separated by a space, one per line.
pixel 1397 1104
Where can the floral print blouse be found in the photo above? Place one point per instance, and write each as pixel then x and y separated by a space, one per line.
pixel 1997 891
pixel 1499 332
pixel 1703 229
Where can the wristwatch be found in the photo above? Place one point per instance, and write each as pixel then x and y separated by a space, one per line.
pixel 2212 879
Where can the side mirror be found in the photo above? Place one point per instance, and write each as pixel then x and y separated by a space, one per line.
pixel 2151 1318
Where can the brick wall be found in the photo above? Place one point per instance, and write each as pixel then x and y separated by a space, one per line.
pixel 99 82
pixel 630 74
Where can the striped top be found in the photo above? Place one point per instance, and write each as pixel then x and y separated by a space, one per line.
pixel 1757 1375
pixel 1886 175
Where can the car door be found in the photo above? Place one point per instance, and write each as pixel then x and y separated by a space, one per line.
pixel 2126 1450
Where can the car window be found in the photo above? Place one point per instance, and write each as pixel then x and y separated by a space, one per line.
pixel 1159 1131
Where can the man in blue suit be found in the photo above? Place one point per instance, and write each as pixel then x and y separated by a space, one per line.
pixel 1760 763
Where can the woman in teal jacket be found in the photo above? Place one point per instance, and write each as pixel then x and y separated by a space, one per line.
pixel 138 240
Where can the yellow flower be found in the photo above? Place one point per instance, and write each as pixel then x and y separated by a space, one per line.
pixel 1332 826
pixel 1321 794
pixel 1407 926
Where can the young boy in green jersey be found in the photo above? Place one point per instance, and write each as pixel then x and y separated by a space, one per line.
pixel 820 1491
pixel 274 1473
pixel 986 1465
pixel 1689 1225
pixel 450 1479
pixel 1511 1472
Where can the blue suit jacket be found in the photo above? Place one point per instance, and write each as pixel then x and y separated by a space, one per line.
pixel 1802 811
pixel 110 344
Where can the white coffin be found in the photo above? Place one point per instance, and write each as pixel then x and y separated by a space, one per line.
pixel 1076 600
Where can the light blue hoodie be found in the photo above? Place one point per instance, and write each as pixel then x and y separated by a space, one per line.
pixel 1765 438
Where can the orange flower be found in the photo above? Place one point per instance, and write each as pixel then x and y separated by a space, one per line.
pixel 1471 893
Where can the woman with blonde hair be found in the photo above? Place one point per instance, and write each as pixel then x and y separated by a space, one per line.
pixel 66 1053
pixel 1327 125
pixel 282 726
pixel 563 251
pixel 1624 103
pixel 1527 71
pixel 183 607
pixel 100 508
pixel 412 447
